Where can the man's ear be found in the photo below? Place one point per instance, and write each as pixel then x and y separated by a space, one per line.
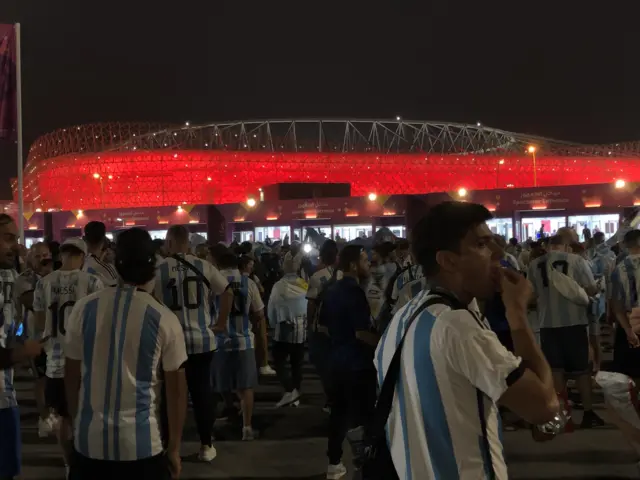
pixel 446 260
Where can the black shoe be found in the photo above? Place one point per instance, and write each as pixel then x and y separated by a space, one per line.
pixel 590 419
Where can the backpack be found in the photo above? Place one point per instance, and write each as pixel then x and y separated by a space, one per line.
pixel 370 443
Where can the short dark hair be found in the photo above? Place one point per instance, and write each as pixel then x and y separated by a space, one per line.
pixel 443 228
pixel 179 233
pixel 402 244
pixel 135 256
pixel 598 236
pixel 228 261
pixel 5 219
pixel 217 251
pixel 243 261
pixel 348 255
pixel 329 252
pixel 95 233
pixel 632 239
pixel 158 243
pixel 384 249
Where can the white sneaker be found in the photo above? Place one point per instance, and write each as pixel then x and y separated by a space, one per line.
pixel 295 404
pixel 207 453
pixel 288 398
pixel 268 371
pixel 248 434
pixel 66 470
pixel 45 427
pixel 334 472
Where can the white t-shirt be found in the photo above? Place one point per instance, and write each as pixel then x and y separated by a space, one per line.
pixel 55 295
pixel 185 294
pixel 319 279
pixel 124 338
pixel 448 356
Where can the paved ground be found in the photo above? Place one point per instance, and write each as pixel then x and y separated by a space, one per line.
pixel 292 446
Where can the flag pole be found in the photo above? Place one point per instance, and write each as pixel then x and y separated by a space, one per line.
pixel 19 132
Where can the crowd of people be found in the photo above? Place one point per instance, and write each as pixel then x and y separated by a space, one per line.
pixel 437 340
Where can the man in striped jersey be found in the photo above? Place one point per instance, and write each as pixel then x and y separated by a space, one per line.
pixel 453 370
pixel 288 316
pixel 122 348
pixel 625 289
pixel 95 235
pixel 564 324
pixel 234 362
pixel 54 297
pixel 9 414
pixel 319 342
pixel 39 264
pixel 185 284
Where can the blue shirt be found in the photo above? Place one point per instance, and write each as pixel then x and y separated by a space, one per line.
pixel 345 311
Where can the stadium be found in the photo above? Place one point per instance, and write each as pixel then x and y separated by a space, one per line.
pixel 124 165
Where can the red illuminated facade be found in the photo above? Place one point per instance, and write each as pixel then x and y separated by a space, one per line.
pixel 134 165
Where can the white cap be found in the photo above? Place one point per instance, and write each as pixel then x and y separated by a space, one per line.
pixel 76 242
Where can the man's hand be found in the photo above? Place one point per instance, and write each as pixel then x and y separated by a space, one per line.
pixel 26 351
pixel 175 464
pixel 219 329
pixel 516 291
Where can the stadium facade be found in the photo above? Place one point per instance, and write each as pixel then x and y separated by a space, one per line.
pixel 110 170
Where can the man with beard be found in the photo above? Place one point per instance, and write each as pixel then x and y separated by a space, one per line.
pixel 10 352
pixel 346 314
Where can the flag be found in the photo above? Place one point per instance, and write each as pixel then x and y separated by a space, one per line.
pixel 8 82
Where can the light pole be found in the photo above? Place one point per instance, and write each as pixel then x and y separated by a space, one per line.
pixel 532 151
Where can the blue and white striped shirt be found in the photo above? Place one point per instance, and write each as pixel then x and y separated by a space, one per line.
pixel 185 294
pixel 434 429
pixel 554 310
pixel 8 326
pixel 288 309
pixel 246 300
pixel 123 338
pixel 55 296
pixel 103 270
pixel 409 275
pixel 624 282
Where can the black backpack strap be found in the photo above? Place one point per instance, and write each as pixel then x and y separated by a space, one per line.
pixel 485 438
pixel 387 391
pixel 193 268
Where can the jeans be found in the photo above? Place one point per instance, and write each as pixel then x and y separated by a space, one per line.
pixel 354 400
pixel 294 352
pixel 319 349
pixel 198 373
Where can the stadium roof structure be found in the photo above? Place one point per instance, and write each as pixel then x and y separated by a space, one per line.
pixel 121 165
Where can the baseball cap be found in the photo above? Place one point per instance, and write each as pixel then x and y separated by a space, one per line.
pixel 75 242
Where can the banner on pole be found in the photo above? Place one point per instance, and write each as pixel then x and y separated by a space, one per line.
pixel 8 82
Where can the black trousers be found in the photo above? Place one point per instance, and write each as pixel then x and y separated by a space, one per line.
pixel 198 373
pixel 354 399
pixel 153 468
pixel 294 352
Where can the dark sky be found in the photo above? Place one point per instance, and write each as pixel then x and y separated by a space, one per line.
pixel 556 68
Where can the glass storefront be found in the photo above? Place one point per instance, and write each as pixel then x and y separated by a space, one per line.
pixel 301 233
pixel 501 226
pixel 607 224
pixel 242 237
pixel 28 242
pixel 532 227
pixel 351 232
pixel 272 233
pixel 399 231
pixel 158 234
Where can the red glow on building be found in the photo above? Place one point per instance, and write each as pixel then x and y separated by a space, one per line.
pixel 82 168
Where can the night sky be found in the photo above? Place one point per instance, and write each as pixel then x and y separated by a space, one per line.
pixel 555 69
